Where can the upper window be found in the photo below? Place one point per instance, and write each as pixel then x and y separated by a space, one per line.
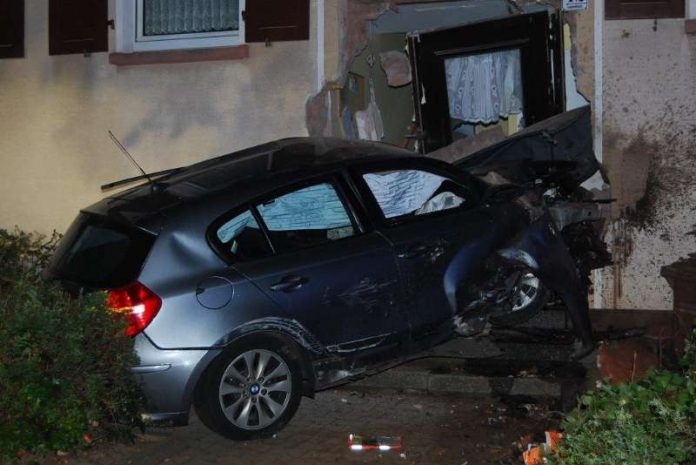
pixel 306 217
pixel 149 25
pixel 402 193
pixel 154 25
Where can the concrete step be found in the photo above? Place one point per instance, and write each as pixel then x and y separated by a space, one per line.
pixel 532 362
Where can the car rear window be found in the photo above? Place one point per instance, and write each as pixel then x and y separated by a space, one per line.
pixel 98 253
pixel 242 238
pixel 305 218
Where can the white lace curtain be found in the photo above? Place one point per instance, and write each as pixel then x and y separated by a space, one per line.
pixel 483 88
pixel 162 17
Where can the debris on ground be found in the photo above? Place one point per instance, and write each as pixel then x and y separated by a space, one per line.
pixel 357 442
pixel 534 455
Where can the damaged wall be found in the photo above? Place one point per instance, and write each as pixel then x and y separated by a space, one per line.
pixel 351 37
pixel 649 149
pixel 56 110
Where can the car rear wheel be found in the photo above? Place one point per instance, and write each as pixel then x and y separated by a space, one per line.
pixel 251 390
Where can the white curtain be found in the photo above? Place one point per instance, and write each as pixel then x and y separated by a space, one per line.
pixel 163 17
pixel 482 88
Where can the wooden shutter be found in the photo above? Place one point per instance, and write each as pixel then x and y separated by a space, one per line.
pixel 646 9
pixel 77 26
pixel 276 20
pixel 11 28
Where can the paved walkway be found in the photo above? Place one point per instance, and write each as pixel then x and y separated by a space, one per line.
pixel 453 430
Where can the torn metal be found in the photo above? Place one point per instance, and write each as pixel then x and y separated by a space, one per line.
pixel 554 231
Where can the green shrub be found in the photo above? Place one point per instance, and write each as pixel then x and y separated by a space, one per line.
pixel 64 363
pixel 650 422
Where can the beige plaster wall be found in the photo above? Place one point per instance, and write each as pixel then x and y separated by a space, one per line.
pixel 55 113
pixel 650 150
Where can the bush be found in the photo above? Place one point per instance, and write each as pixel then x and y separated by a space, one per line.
pixel 651 422
pixel 64 363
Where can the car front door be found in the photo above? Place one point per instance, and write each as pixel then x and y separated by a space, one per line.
pixel 328 271
pixel 439 234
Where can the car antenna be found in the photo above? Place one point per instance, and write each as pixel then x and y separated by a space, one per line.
pixel 130 157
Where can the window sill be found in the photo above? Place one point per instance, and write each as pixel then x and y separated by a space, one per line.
pixel 179 56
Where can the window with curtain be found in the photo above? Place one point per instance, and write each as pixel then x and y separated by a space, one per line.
pixel 484 88
pixel 159 25
pixel 153 25
pixel 167 17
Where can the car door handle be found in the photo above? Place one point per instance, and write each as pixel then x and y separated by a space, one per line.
pixel 413 252
pixel 289 283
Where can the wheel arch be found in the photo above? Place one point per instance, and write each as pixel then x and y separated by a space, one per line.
pixel 302 346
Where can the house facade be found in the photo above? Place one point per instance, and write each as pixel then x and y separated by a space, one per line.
pixel 232 74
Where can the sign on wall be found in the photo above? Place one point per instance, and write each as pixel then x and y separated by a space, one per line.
pixel 574 5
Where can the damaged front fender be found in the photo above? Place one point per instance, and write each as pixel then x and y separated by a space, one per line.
pixel 540 248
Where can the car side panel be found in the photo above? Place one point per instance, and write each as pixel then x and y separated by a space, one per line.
pixel 180 266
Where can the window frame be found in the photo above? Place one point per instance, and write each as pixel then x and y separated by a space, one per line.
pixel 333 179
pixel 416 165
pixel 129 37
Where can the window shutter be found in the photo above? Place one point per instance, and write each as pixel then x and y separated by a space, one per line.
pixel 11 28
pixel 276 20
pixel 77 26
pixel 644 9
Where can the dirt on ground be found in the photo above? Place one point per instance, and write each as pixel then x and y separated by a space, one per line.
pixel 452 430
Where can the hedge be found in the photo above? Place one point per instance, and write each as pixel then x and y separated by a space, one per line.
pixel 65 377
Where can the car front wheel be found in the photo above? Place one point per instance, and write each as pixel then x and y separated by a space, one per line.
pixel 251 390
pixel 528 298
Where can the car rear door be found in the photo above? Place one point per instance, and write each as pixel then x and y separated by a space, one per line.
pixel 439 231
pixel 328 270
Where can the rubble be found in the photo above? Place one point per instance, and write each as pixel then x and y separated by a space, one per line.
pixel 397 68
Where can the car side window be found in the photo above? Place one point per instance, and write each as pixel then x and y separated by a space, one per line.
pixel 305 218
pixel 242 237
pixel 404 193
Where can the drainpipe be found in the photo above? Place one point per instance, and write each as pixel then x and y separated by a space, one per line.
pixel 599 76
pixel 321 77
pixel 598 281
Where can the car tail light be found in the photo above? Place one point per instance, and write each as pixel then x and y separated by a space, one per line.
pixel 136 302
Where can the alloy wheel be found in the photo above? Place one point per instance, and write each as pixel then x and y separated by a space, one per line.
pixel 255 389
pixel 525 292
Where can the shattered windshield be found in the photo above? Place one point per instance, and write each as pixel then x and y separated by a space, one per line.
pixel 406 192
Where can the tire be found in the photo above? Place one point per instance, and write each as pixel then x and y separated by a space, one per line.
pixel 242 404
pixel 532 305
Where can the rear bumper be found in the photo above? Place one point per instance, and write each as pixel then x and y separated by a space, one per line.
pixel 168 379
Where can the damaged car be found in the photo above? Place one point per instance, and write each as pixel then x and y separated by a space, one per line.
pixel 256 278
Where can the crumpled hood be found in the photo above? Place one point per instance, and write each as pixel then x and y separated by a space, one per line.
pixel 557 150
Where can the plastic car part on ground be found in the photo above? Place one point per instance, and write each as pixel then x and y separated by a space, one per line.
pixel 534 455
pixel 382 443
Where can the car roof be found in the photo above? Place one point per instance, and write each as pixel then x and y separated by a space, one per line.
pixel 265 166
pixel 298 154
